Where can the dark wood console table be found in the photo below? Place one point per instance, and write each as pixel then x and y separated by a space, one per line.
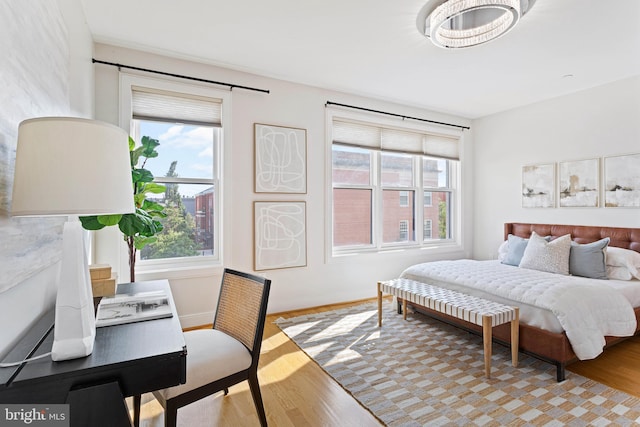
pixel 127 360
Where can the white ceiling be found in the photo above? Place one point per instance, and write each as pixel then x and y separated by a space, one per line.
pixel 372 47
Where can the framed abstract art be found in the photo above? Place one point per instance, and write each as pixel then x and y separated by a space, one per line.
pixel 579 183
pixel 538 186
pixel 279 235
pixel 280 159
pixel 622 181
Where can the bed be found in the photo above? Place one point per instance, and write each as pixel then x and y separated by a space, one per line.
pixel 543 333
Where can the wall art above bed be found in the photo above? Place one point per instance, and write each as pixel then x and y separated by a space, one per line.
pixel 622 181
pixel 538 186
pixel 579 183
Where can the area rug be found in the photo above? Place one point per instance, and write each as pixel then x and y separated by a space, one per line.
pixel 422 372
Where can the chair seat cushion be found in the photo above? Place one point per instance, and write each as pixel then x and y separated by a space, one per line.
pixel 211 355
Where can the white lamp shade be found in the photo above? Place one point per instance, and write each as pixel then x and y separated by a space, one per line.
pixel 71 166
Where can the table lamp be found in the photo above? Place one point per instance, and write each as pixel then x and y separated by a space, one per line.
pixel 73 167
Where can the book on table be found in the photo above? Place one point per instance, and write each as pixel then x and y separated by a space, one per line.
pixel 128 308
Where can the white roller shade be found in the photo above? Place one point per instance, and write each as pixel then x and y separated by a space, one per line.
pixel 168 107
pixel 356 134
pixel 441 146
pixel 375 137
pixel 397 140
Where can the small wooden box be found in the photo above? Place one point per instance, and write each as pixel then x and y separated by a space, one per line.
pixel 99 271
pixel 104 287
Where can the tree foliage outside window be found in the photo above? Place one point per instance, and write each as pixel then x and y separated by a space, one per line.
pixel 178 237
pixel 442 220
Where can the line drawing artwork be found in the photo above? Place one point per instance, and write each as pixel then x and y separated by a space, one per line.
pixel 280 159
pixel 280 235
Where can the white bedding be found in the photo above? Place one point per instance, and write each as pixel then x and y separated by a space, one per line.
pixel 587 309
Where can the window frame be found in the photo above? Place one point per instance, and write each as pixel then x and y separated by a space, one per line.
pixel 454 243
pixel 182 266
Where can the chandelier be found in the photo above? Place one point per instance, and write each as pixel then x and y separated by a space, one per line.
pixel 455 24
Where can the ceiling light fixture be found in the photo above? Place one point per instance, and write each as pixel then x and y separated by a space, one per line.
pixel 455 24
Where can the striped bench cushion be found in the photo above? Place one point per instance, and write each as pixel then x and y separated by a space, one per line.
pixel 456 304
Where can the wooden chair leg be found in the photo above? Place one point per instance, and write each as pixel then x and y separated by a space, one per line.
pixel 257 398
pixel 136 410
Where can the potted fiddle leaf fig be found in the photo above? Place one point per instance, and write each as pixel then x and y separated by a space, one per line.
pixel 140 228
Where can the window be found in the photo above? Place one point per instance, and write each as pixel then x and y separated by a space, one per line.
pixel 188 123
pixel 404 198
pixel 352 196
pixel 437 177
pixel 403 235
pixel 380 176
pixel 428 199
pixel 427 229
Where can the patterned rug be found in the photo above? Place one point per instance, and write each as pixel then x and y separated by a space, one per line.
pixel 422 372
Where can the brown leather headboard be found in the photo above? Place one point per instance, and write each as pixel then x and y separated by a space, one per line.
pixel 628 238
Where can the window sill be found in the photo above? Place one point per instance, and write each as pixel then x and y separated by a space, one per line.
pixel 426 253
pixel 178 272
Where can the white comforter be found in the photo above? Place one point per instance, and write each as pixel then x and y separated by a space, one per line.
pixel 587 309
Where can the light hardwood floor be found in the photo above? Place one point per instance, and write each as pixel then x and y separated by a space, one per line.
pixel 618 367
pixel 297 392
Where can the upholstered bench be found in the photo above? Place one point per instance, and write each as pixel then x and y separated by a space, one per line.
pixel 473 309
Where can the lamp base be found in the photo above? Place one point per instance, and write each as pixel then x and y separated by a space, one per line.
pixel 75 323
pixel 72 347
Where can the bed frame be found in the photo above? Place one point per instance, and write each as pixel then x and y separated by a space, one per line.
pixel 549 346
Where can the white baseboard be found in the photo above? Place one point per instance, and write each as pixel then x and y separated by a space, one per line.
pixel 198 319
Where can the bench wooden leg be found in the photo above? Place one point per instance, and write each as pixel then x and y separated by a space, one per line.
pixel 379 305
pixel 404 309
pixel 486 338
pixel 515 334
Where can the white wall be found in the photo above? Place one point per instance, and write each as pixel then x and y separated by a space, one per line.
pixel 288 104
pixel 46 70
pixel 599 122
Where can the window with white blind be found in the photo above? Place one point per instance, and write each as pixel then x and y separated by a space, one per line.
pixel 385 180
pixel 188 122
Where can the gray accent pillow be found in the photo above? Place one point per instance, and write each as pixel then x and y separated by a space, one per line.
pixel 589 259
pixel 552 257
pixel 515 249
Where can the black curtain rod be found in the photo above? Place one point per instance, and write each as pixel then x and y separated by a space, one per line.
pixel 231 86
pixel 397 115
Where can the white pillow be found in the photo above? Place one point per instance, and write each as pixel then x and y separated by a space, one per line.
pixel 619 257
pixel 502 250
pixel 618 273
pixel 552 257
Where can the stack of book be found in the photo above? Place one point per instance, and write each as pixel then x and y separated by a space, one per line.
pixel 103 281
